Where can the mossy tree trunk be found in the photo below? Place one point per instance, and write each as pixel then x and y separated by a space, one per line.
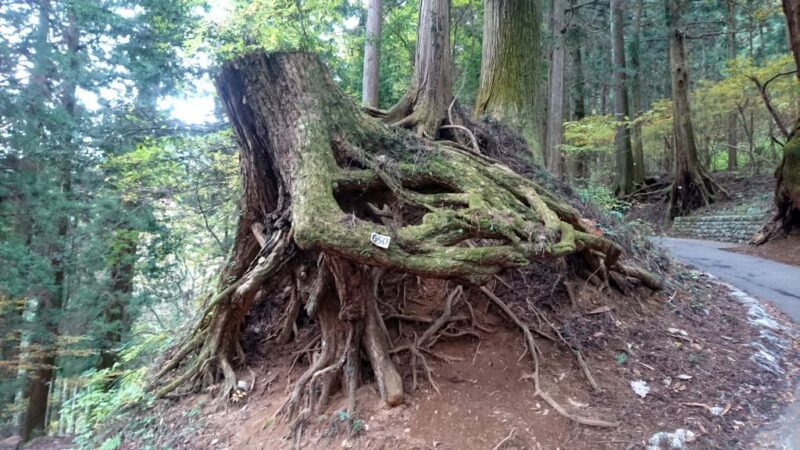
pixel 510 82
pixel 787 175
pixel 692 186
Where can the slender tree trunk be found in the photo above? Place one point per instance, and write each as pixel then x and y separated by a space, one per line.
pixel 636 91
pixel 622 140
pixel 692 186
pixel 115 320
pixel 555 103
pixel 425 105
pixel 372 55
pixel 510 81
pixel 732 144
pixel 604 99
pixel 44 373
pixel 579 100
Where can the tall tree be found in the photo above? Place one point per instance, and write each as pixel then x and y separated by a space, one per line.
pixel 49 305
pixel 692 186
pixel 622 138
pixel 372 55
pixel 424 107
pixel 787 175
pixel 510 80
pixel 636 92
pixel 554 133
pixel 731 119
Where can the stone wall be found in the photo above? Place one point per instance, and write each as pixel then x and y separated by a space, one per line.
pixel 736 229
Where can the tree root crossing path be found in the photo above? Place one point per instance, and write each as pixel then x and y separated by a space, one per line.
pixel 762 278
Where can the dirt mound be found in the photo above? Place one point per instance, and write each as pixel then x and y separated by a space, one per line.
pixel 693 346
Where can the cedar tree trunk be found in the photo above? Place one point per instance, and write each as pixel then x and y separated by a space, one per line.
pixel 554 134
pixel 510 82
pixel 692 187
pixel 424 107
pixel 622 137
pixel 43 373
pixel 372 55
pixel 733 162
pixel 636 92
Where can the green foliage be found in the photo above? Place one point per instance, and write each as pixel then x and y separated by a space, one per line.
pixel 108 392
pixel 591 134
pixel 111 443
pixel 604 198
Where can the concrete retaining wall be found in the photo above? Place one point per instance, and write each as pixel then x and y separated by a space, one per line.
pixel 717 228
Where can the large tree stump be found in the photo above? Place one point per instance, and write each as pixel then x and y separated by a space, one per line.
pixel 319 178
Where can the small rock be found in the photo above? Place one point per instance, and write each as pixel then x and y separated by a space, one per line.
pixel 640 388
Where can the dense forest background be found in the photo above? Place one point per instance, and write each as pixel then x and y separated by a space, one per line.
pixel 119 188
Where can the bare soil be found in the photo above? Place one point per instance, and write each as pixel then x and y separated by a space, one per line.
pixel 484 396
pixel 785 250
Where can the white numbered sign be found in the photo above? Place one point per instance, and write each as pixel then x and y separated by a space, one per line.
pixel 380 240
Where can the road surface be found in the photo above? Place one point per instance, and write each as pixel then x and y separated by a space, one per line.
pixel 769 280
pixel 762 278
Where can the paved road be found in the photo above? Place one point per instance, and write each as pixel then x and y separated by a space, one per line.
pixel 768 280
pixel 762 278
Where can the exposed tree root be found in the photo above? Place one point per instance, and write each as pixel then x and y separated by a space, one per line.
pixel 691 190
pixel 215 339
pixel 535 376
pixel 321 179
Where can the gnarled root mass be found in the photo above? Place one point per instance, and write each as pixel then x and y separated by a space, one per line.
pixel 787 193
pixel 324 182
pixel 692 189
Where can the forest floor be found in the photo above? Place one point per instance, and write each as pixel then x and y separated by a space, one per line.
pixel 718 365
pixel 785 250
pixel 747 194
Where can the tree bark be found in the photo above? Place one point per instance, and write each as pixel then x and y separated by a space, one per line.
pixel 636 91
pixel 115 321
pixel 692 187
pixel 510 80
pixel 787 175
pixel 372 55
pixel 555 103
pixel 733 162
pixel 579 100
pixel 622 138
pixel 313 169
pixel 424 107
